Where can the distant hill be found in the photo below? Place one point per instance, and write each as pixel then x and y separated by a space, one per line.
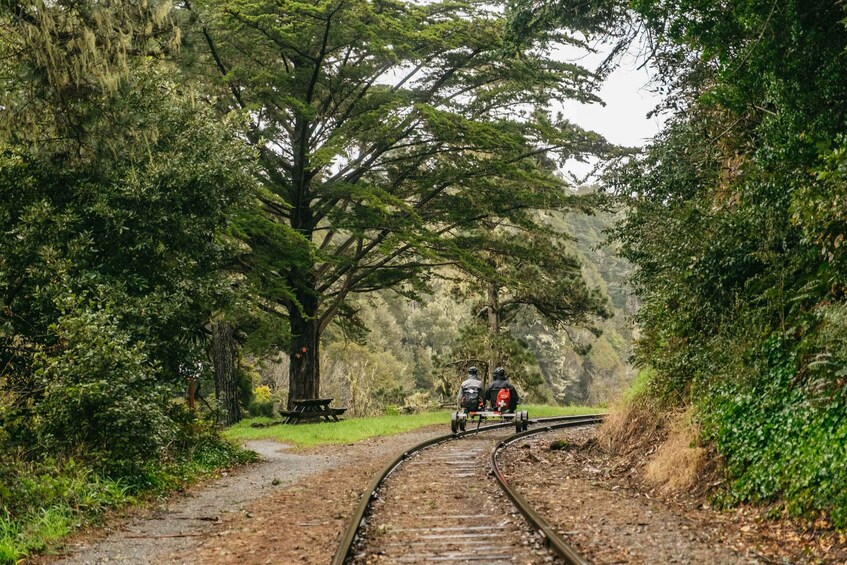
pixel 603 372
pixel 407 343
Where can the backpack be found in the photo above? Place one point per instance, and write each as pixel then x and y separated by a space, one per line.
pixel 471 399
pixel 504 398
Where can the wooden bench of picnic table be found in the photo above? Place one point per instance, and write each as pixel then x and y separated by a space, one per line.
pixel 312 409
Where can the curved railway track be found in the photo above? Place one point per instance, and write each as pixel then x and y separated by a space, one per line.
pixel 434 503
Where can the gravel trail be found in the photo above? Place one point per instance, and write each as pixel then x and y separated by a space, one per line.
pixel 185 521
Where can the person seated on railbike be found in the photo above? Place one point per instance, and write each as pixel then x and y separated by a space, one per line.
pixel 501 395
pixel 470 392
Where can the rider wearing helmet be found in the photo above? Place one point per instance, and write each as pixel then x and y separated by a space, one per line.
pixel 501 382
pixel 470 392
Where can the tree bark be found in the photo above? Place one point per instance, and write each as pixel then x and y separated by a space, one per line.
pixel 304 380
pixel 493 327
pixel 226 375
pixel 304 376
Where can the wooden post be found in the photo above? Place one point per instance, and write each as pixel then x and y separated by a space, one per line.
pixel 192 383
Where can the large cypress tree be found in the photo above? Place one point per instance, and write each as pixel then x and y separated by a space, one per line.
pixel 386 129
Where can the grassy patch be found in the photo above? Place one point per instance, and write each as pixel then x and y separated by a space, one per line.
pixel 640 386
pixel 355 429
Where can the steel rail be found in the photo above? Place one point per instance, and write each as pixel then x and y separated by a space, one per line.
pixel 345 546
pixel 555 541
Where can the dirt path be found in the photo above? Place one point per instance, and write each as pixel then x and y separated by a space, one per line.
pixel 294 505
pixel 243 516
pixel 187 519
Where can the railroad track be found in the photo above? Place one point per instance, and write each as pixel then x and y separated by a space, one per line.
pixel 436 503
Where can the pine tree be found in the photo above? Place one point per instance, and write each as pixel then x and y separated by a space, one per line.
pixel 386 129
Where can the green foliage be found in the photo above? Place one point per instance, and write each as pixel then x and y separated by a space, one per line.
pixel 580 366
pixel 113 213
pixel 552 20
pixel 39 533
pixel 515 356
pixel 100 395
pixel 261 409
pixel 44 501
pixel 735 228
pixel 639 389
pixel 778 443
pixel 385 131
pixel 362 379
pixel 117 186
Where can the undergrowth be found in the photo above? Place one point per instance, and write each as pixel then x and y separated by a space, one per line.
pixel 775 440
pixel 41 503
pixel 782 445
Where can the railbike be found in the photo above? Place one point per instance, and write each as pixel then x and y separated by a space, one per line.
pixel 460 418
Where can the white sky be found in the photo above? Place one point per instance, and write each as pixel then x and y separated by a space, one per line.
pixel 628 95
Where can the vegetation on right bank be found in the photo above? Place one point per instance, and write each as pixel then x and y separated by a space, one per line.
pixel 736 226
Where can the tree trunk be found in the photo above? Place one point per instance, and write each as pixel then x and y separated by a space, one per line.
pixel 493 327
pixel 304 376
pixel 304 380
pixel 226 375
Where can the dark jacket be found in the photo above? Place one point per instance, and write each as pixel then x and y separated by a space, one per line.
pixel 494 388
pixel 469 382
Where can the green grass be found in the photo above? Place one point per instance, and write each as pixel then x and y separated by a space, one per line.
pixel 35 533
pixel 640 385
pixel 356 429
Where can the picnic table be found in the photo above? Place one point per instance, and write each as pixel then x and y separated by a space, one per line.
pixel 312 409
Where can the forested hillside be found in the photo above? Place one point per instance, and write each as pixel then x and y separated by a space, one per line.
pixel 414 353
pixel 579 367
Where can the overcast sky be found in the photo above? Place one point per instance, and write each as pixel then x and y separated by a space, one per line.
pixel 628 95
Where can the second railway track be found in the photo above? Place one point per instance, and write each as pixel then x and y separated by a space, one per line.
pixel 439 503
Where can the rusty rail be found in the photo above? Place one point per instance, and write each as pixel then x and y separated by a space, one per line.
pixel 555 541
pixel 345 546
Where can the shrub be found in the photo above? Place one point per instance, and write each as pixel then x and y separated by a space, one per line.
pixel 262 393
pixel 419 402
pixel 778 442
pixel 256 408
pixel 101 396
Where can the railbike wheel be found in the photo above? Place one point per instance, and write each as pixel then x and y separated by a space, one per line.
pixel 454 422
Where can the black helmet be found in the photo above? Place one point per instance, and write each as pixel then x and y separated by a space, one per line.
pixel 472 371
pixel 499 373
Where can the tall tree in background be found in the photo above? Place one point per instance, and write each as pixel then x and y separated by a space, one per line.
pixel 386 129
pixel 528 270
